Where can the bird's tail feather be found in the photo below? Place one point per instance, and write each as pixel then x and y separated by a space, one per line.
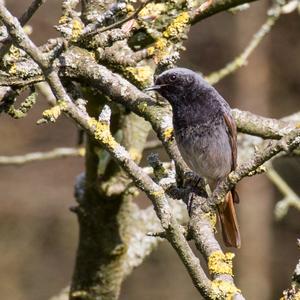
pixel 228 220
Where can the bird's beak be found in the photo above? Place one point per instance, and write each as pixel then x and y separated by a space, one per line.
pixel 154 87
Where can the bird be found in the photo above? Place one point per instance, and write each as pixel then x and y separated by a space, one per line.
pixel 206 136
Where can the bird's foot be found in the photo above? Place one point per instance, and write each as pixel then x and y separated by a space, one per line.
pixel 193 180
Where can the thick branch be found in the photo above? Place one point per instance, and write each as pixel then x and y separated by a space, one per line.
pixel 79 65
pixel 266 128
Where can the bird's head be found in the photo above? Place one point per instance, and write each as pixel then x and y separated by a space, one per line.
pixel 176 85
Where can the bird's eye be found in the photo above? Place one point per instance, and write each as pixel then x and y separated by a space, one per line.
pixel 173 77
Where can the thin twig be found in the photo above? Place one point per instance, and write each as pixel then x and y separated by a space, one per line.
pixel 241 60
pixel 34 6
pixel 121 22
pixel 39 156
pixel 153 144
pixel 290 197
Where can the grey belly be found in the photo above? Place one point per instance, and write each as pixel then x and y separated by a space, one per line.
pixel 208 153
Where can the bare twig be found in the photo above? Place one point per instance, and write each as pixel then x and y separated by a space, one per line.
pixel 121 22
pixel 34 6
pixel 153 144
pixel 39 156
pixel 290 197
pixel 241 60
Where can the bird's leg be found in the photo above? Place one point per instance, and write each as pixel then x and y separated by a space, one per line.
pixel 190 202
pixel 196 187
pixel 192 180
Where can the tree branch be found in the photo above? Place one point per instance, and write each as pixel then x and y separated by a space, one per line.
pixel 287 143
pixel 241 60
pixel 217 6
pixel 34 6
pixel 290 197
pixel 119 23
pixel 267 128
pixel 293 292
pixel 39 156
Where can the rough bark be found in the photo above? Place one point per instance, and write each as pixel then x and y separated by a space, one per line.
pixel 95 53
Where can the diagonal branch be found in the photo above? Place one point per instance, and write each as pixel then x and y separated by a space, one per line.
pixel 241 60
pixel 291 199
pixel 34 6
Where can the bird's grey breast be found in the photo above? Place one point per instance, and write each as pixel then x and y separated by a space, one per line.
pixel 205 148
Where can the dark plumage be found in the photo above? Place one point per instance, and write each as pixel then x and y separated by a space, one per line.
pixel 206 135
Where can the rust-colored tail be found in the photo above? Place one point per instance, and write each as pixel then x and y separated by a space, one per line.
pixel 228 219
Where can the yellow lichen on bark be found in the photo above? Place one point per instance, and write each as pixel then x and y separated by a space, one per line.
pixel 177 26
pixel 152 9
pixel 168 133
pixel 63 19
pixel 163 47
pixel 223 290
pixel 102 133
pixel 212 218
pixel 220 263
pixel 159 49
pixel 158 193
pixel 130 8
pixel 13 56
pixel 143 106
pixel 76 29
pixel 53 113
pixel 233 177
pixel 141 74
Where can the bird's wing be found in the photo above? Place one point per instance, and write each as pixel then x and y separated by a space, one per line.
pixel 232 135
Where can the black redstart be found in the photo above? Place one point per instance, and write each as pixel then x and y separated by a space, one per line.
pixel 206 135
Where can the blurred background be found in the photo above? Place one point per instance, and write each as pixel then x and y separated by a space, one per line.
pixel 39 233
